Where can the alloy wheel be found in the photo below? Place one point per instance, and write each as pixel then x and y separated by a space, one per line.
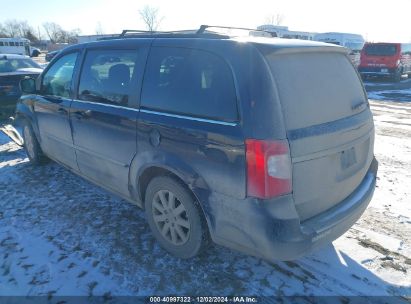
pixel 170 217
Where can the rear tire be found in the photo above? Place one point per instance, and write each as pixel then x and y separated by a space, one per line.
pixel 175 218
pixel 32 146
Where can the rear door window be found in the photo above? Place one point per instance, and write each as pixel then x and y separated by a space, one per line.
pixel 189 82
pixel 106 76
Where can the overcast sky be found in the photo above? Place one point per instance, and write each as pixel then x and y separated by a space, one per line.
pixel 376 20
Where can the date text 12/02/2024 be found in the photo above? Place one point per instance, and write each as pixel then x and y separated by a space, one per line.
pixel 203 299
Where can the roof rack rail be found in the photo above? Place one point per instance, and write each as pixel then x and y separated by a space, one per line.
pixel 204 27
pixel 192 33
pixel 202 32
pixel 124 32
pixel 143 32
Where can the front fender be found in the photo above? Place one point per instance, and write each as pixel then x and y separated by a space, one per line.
pixel 25 112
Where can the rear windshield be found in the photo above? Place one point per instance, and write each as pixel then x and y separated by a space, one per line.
pixel 380 49
pixel 315 88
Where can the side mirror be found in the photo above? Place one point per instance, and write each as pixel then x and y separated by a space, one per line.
pixel 28 85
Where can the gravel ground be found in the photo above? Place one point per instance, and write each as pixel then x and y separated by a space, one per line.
pixel 61 235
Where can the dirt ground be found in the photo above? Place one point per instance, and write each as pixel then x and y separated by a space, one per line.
pixel 60 235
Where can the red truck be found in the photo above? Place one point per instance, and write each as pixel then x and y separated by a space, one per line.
pixel 385 60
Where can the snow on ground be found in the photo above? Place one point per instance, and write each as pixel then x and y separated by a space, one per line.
pixel 396 95
pixel 384 82
pixel 61 235
pixel 383 90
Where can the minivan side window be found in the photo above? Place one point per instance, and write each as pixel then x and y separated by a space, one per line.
pixel 58 78
pixel 106 76
pixel 189 82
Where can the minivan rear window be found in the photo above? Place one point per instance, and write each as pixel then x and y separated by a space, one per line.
pixel 380 49
pixel 189 82
pixel 315 87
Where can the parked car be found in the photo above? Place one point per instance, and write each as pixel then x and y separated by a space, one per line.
pixel 50 55
pixel 34 52
pixel 12 69
pixel 391 60
pixel 262 145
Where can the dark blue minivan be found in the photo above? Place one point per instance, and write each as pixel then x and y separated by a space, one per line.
pixel 263 145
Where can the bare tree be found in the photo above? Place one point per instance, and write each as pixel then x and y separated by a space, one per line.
pixel 16 28
pixel 25 29
pixel 57 34
pixel 53 31
pixel 12 28
pixel 2 31
pixel 276 19
pixel 31 36
pixel 73 35
pixel 151 18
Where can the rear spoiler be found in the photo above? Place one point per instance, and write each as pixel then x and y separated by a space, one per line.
pixel 287 48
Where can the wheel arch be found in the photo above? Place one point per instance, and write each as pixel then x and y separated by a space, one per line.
pixel 25 113
pixel 167 166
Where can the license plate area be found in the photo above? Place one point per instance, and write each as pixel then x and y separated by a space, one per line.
pixel 348 158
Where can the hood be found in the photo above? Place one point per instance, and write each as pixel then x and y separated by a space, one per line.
pixel 23 71
pixel 30 70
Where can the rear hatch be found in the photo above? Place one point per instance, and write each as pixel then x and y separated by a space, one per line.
pixel 329 125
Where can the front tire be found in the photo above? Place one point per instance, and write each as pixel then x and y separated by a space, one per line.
pixel 175 218
pixel 32 146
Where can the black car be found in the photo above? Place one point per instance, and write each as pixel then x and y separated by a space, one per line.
pixel 13 68
pixel 260 144
pixel 50 55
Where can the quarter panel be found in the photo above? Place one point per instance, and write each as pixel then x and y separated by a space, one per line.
pixel 215 152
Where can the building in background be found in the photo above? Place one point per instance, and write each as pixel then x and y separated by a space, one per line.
pixel 353 42
pixel 91 38
pixel 284 32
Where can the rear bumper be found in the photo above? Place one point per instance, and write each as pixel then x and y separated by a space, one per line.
pixel 377 72
pixel 272 229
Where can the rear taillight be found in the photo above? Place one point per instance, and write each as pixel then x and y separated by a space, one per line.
pixel 268 168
